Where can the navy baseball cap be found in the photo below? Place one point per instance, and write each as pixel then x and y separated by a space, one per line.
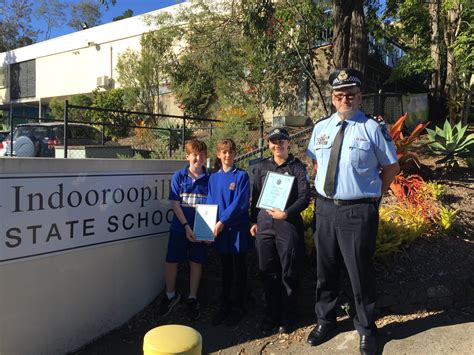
pixel 278 133
pixel 344 78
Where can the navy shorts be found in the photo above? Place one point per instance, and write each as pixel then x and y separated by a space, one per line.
pixel 181 249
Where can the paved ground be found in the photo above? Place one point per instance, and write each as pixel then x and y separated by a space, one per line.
pixel 437 332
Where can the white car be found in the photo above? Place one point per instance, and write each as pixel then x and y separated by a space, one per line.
pixel 4 142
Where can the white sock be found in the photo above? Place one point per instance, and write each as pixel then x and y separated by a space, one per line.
pixel 191 296
pixel 170 295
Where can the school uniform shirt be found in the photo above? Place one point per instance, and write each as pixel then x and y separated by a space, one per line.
pixel 366 147
pixel 189 192
pixel 230 191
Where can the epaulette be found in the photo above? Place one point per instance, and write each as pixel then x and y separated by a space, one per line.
pixel 322 118
pixel 379 119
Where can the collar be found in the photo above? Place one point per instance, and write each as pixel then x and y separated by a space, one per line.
pixel 355 118
pixel 288 160
pixel 186 172
pixel 231 170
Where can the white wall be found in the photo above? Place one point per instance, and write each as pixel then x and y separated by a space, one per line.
pixel 58 302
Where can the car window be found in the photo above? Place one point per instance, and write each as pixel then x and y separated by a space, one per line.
pixel 3 135
pixel 22 131
pixel 40 132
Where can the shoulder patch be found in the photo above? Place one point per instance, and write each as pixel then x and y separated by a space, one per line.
pixel 322 118
pixel 383 126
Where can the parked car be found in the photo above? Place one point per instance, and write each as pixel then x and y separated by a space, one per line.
pixel 4 142
pixel 40 139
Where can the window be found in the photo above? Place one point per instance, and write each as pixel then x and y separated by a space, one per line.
pixel 3 76
pixel 23 80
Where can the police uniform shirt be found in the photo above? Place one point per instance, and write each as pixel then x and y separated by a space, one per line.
pixel 189 192
pixel 230 191
pixel 366 147
pixel 299 195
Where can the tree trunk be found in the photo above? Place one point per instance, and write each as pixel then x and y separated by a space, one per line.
pixel 451 89
pixel 435 49
pixel 359 45
pixel 350 34
pixel 341 14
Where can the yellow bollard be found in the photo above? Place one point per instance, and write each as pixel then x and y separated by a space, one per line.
pixel 172 339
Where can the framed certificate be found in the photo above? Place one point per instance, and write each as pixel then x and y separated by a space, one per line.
pixel 275 192
pixel 204 222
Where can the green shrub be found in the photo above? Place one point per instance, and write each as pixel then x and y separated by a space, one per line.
pixel 451 142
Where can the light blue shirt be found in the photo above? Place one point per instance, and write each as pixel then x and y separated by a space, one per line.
pixel 366 148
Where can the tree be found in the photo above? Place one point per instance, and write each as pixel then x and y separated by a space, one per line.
pixel 126 14
pixel 85 11
pixel 141 72
pixel 15 24
pixel 106 3
pixel 439 35
pixel 53 13
pixel 350 34
pixel 251 54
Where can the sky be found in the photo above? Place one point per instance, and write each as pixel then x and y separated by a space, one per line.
pixel 138 6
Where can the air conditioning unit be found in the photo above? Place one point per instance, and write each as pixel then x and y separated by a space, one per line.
pixel 103 81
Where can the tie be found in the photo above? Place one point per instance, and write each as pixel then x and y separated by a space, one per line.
pixel 333 161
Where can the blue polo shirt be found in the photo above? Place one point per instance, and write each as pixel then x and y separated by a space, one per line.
pixel 230 191
pixel 365 149
pixel 189 192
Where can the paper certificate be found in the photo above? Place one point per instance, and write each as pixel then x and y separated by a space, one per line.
pixel 204 222
pixel 275 192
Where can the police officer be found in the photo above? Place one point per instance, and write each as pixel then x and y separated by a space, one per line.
pixel 279 234
pixel 355 162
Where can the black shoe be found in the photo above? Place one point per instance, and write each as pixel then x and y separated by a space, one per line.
pixel 368 345
pixel 268 324
pixel 234 317
pixel 167 305
pixel 286 327
pixel 221 314
pixel 192 311
pixel 320 334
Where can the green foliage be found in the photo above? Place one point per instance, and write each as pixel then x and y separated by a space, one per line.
pixel 451 142
pixel 15 24
pixel 140 73
pixel 308 219
pixel 250 54
pixel 419 212
pixel 87 11
pixel 56 108
pixel 115 122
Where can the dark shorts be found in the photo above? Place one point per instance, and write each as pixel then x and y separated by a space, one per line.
pixel 181 249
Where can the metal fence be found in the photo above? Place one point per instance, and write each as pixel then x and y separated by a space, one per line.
pixel 121 133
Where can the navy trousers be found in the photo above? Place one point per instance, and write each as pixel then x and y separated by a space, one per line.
pixel 346 234
pixel 280 248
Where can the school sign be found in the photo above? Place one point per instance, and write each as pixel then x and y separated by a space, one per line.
pixel 82 248
pixel 48 213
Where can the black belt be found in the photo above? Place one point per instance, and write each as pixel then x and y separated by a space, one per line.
pixel 349 202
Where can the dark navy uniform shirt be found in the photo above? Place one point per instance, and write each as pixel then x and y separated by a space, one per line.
pixel 299 195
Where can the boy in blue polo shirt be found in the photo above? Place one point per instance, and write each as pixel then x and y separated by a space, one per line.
pixel 189 187
pixel 229 188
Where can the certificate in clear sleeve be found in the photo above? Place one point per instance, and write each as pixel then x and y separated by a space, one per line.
pixel 275 192
pixel 204 222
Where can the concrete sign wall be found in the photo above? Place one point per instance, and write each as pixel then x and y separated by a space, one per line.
pixel 82 245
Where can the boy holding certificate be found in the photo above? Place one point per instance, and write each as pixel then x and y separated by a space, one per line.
pixel 188 189
pixel 279 231
pixel 229 189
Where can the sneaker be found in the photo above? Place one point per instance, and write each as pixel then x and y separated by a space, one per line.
pixel 167 304
pixel 192 309
pixel 220 315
